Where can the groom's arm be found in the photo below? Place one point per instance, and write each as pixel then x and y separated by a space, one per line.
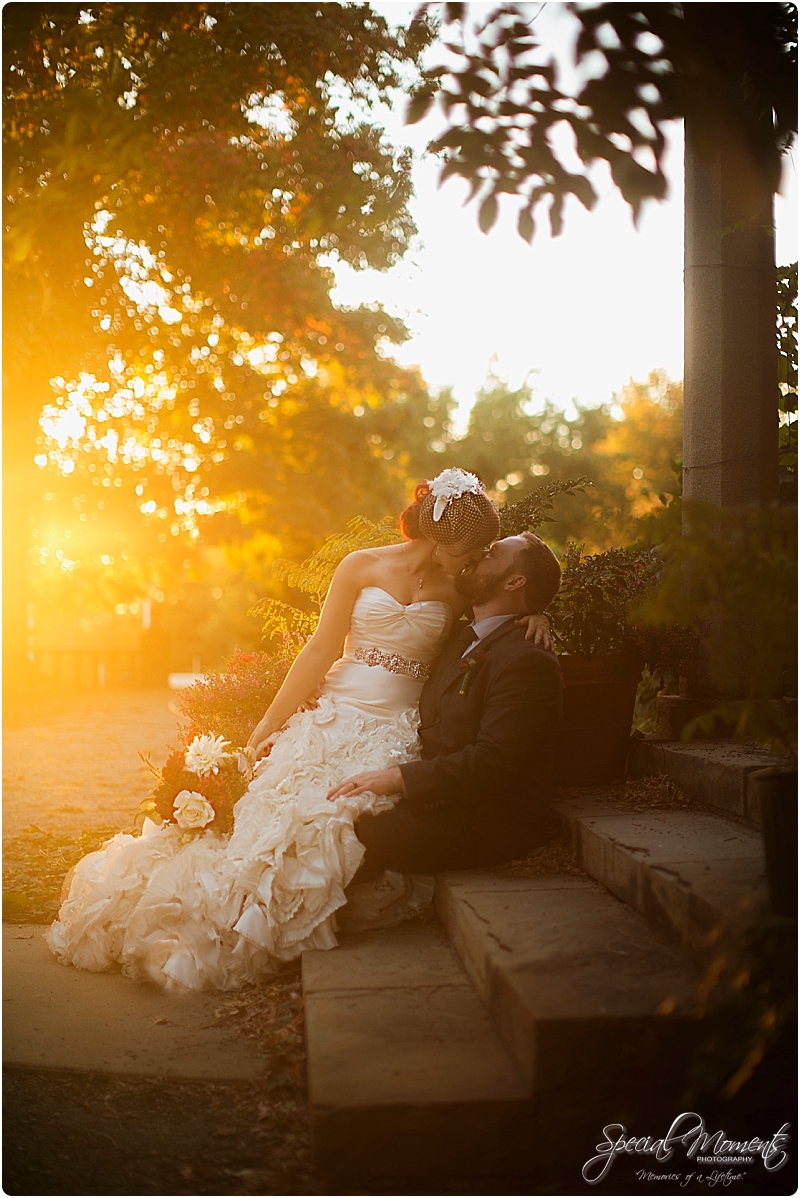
pixel 520 712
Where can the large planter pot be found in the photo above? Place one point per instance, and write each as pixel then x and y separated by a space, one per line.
pixel 777 791
pixel 599 698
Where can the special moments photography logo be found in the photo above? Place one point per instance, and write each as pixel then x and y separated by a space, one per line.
pixel 688 1131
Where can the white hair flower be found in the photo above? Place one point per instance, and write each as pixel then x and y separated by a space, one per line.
pixel 192 810
pixel 205 754
pixel 452 484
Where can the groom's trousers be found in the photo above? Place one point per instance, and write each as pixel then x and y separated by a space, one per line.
pixel 416 841
pixel 478 794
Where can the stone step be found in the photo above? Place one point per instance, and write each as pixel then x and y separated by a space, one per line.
pixel 697 876
pixel 407 1078
pixel 589 1001
pixel 709 772
pixel 61 1018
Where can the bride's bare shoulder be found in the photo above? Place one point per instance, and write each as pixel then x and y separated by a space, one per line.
pixel 363 559
pixel 358 565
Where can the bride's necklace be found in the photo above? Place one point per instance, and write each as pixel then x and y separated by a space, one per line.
pixel 424 577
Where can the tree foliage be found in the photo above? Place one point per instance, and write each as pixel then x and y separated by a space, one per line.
pixel 499 92
pixel 196 163
pixel 203 165
pixel 209 137
pixel 629 449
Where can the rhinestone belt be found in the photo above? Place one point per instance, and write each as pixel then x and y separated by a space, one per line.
pixel 393 662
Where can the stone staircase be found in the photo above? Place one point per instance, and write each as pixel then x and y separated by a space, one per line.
pixel 709 772
pixel 697 876
pixel 408 1080
pixel 477 1054
pixel 484 1052
pixel 558 962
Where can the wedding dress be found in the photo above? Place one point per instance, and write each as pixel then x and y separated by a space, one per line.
pixel 211 912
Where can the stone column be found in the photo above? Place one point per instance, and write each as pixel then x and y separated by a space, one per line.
pixel 730 436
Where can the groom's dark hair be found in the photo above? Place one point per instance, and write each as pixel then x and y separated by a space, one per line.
pixel 542 572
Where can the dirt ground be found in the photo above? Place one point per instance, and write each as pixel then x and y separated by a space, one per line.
pixel 77 1134
pixel 71 764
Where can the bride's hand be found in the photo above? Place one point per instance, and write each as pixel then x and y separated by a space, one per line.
pixel 261 738
pixel 538 631
pixel 378 782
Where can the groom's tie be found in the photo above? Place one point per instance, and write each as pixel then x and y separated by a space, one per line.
pixel 465 638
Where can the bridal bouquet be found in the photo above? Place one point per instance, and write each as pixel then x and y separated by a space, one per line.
pixel 198 786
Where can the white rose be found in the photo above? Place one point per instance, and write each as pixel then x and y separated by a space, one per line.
pixel 192 810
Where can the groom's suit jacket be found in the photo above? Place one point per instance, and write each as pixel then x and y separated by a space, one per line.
pixel 494 744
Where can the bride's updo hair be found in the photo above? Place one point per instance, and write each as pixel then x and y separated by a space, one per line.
pixel 466 518
pixel 409 517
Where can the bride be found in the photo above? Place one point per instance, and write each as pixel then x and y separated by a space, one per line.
pixel 211 912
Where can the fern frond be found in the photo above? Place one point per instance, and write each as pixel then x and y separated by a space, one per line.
pixel 290 626
pixel 313 576
pixel 287 624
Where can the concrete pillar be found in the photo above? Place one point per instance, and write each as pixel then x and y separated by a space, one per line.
pixel 730 436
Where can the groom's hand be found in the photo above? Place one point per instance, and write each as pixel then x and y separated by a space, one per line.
pixel 379 782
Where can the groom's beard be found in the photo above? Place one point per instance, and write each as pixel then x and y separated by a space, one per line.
pixel 479 586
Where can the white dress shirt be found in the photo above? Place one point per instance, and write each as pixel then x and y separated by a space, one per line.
pixel 482 629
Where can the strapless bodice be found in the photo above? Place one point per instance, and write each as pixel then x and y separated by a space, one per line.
pixel 415 632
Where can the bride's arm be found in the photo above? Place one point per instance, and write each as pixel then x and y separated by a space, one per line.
pixel 538 630
pixel 318 655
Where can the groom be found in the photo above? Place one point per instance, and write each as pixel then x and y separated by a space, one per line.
pixel 478 796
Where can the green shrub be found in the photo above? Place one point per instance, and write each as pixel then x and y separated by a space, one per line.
pixel 593 612
pixel 732 575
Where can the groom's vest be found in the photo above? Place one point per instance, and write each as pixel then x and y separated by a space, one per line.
pixel 486 725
